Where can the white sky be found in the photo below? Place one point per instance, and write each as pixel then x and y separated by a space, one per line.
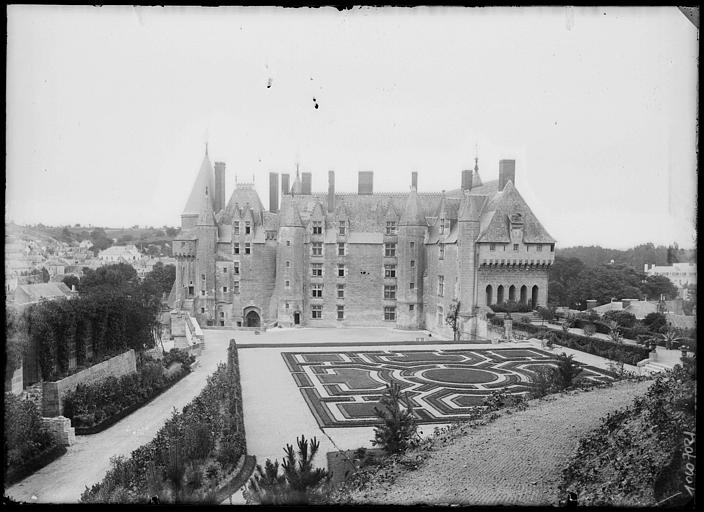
pixel 108 109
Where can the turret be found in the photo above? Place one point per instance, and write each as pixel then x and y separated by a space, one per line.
pixel 411 251
pixel 468 231
pixel 290 264
pixel 206 233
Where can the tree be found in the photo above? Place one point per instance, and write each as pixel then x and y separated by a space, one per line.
pixel 71 281
pixel 399 425
pixel 562 277
pixel 118 277
pixel 161 278
pixel 299 484
pixel 453 319
pixel 622 318
pixel 672 251
pixel 655 321
pixel 171 232
pixel 655 286
pixel 670 337
pixel 567 370
pixel 45 275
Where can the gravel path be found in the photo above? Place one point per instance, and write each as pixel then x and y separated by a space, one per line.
pixel 86 462
pixel 516 460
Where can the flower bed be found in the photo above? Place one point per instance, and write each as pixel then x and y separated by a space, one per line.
pixel 28 445
pixel 95 407
pixel 191 455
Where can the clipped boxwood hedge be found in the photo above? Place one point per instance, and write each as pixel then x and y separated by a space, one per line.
pixel 629 354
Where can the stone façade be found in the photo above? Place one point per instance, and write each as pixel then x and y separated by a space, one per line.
pixel 354 259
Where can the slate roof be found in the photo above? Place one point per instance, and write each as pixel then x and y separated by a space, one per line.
pixel 500 206
pixel 288 214
pixel 243 195
pixel 26 293
pixel 681 321
pixel 369 213
pixel 203 180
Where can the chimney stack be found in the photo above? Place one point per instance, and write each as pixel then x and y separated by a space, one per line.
pixel 414 181
pixel 219 192
pixel 366 183
pixel 466 180
pixel 285 186
pixel 306 183
pixel 273 192
pixel 507 171
pixel 331 191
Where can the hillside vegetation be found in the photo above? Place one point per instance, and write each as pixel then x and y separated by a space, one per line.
pixel 638 456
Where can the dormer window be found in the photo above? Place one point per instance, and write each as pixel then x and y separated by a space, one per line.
pixel 390 227
pixel 342 229
pixel 446 227
pixel 237 228
pixel 317 227
pixel 247 228
pixel 442 226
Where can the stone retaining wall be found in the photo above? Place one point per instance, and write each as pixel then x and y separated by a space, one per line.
pixel 14 384
pixel 53 392
pixel 60 429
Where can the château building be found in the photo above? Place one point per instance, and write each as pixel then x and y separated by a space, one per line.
pixel 364 258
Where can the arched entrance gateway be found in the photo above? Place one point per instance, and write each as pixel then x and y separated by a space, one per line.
pixel 252 319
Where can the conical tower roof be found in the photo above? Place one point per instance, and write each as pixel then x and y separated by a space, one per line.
pixel 205 215
pixel 204 179
pixel 413 212
pixel 288 213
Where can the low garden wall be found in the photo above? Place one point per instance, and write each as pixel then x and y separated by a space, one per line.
pixel 53 392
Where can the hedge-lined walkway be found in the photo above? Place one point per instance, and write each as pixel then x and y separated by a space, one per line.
pixel 516 460
pixel 87 461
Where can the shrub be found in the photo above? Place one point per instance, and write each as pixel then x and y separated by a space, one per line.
pixel 629 354
pixel 299 484
pixel 500 398
pixel 213 419
pixel 25 437
pixel 589 329
pixel 179 356
pixel 104 399
pixel 546 313
pixel 567 371
pixel 654 321
pixel 511 307
pixel 542 381
pixel 399 425
pixel 622 318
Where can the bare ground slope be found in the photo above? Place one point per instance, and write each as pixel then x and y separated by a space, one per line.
pixel 515 460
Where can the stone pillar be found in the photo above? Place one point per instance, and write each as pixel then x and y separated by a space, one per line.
pixel 508 328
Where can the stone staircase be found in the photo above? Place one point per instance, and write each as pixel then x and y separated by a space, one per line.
pixel 654 367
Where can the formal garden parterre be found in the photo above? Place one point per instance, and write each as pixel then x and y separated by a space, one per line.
pixel 443 385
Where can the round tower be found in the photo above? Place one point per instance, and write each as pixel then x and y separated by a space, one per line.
pixel 411 262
